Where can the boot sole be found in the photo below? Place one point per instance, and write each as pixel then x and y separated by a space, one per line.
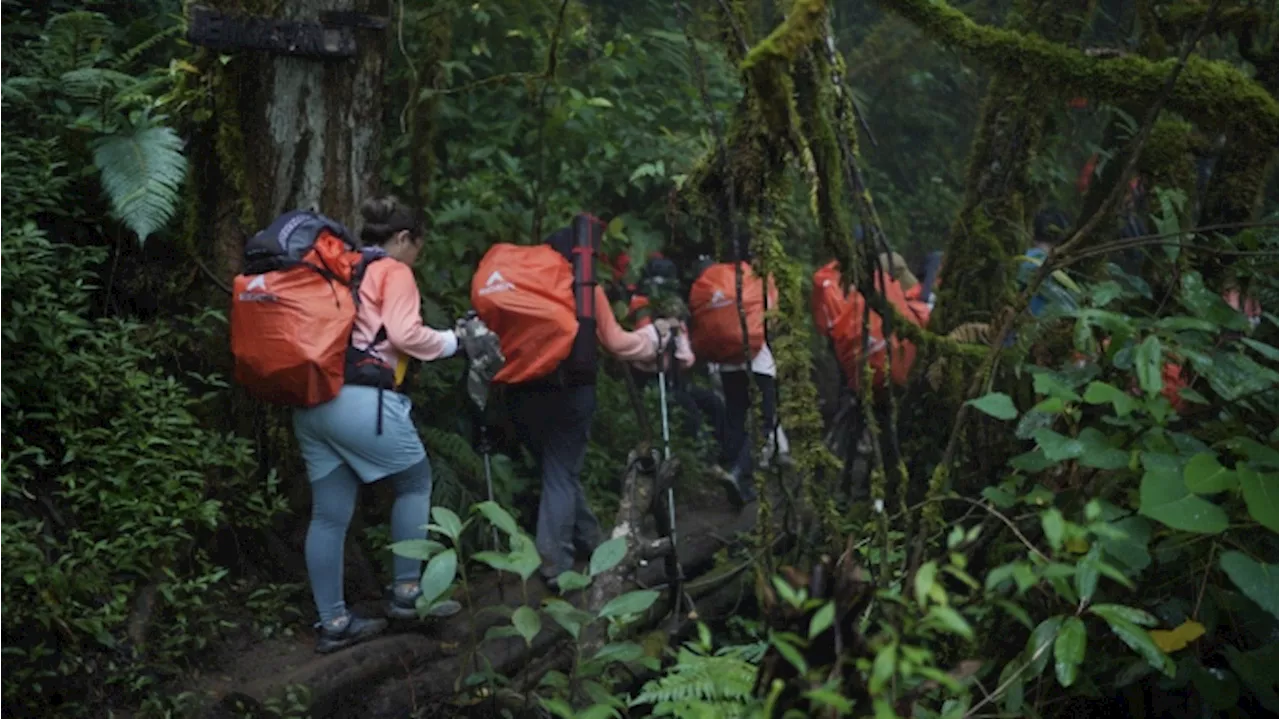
pixel 375 629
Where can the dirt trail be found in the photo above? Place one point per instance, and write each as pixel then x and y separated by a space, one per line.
pixel 415 659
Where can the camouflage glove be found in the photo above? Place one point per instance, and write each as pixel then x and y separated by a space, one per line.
pixel 484 356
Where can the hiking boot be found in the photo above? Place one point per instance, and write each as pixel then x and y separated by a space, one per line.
pixel 404 605
pixel 347 630
pixel 739 492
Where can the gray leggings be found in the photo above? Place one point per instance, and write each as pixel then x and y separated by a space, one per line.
pixel 333 501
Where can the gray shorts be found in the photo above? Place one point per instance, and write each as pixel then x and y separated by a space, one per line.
pixel 345 431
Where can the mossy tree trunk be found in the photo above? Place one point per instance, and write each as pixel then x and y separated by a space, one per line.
pixel 990 230
pixel 296 132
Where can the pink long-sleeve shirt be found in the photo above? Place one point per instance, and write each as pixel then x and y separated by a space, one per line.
pixel 389 298
pixel 639 347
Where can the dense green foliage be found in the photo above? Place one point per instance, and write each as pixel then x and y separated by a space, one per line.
pixel 1090 539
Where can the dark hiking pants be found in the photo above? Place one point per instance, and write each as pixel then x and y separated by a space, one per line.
pixel 555 424
pixel 700 406
pixel 738 445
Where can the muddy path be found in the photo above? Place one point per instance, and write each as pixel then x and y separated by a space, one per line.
pixel 414 661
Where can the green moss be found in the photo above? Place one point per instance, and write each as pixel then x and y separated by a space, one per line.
pixel 1211 93
pixel 805 24
pixel 1166 157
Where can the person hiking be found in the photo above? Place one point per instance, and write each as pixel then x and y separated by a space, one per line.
pixel 717 337
pixel 1049 230
pixel 550 322
pixel 657 294
pixel 365 434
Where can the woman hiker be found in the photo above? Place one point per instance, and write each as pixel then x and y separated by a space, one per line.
pixel 343 449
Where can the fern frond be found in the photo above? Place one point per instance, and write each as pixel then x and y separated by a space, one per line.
pixel 700 686
pixel 142 171
pixel 74 40
pixel 94 84
pixel 135 52
pixel 451 447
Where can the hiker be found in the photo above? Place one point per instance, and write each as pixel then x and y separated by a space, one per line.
pixel 1049 229
pixel 327 329
pixel 717 337
pixel 341 442
pixel 658 294
pixel 546 307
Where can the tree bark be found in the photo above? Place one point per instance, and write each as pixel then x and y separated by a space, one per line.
pixel 297 132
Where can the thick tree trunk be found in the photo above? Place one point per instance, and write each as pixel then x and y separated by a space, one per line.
pixel 297 132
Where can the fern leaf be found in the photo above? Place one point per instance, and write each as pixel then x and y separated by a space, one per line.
pixel 142 172
pixel 701 686
pixel 75 39
pixel 94 84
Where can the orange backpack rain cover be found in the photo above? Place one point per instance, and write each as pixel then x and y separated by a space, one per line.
pixel 290 328
pixel 827 299
pixel 525 295
pixel 716 332
pixel 847 335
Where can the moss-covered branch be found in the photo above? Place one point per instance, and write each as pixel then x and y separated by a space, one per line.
pixel 1213 94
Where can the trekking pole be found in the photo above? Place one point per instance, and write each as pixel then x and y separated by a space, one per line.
pixel 673 564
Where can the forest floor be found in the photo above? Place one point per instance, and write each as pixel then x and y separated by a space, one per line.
pixel 390 675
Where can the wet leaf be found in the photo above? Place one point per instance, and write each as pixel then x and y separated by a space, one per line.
pixel 1259 490
pixel 1204 475
pixel 439 575
pixel 1256 580
pixel 527 623
pixel 1164 497
pixel 996 404
pixel 1068 650
pixel 822 619
pixel 1147 364
pixel 629 603
pixel 422 549
pixel 498 517
pixel 607 555
pixel 1139 641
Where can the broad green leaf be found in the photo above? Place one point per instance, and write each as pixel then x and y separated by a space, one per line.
pixel 1039 645
pixel 619 652
pixel 446 522
pixel 566 615
pixel 1120 612
pixel 1103 393
pixel 558 707
pixel 599 102
pixel 571 581
pixel 1098 452
pixel 924 581
pixel 1131 549
pixel 1087 571
pixel 1259 490
pixel 1015 611
pixel 498 560
pixel 629 603
pixel 822 619
pixel 882 668
pixel 1266 351
pixel 498 517
pixel 501 631
pixel 996 404
pixel 439 575
pixel 524 556
pixel 1147 365
pixel 1053 384
pixel 1012 679
pixel 1068 650
pixel 1254 451
pixel 607 555
pixel 1257 669
pixel 527 622
pixel 998 496
pixel 1032 462
pixel 1164 497
pixel 1056 447
pixel 1139 641
pixel 790 653
pixel 1054 527
pixel 1204 475
pixel 422 549
pixel 950 620
pixel 1256 580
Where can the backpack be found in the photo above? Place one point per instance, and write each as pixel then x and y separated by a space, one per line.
pixel 716 331
pixel 846 334
pixel 827 298
pixel 541 305
pixel 293 310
